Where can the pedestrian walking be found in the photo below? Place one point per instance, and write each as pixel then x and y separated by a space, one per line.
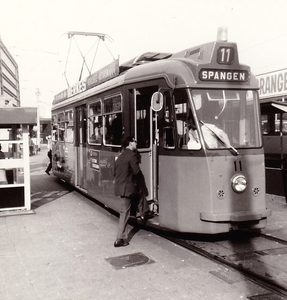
pixel 49 154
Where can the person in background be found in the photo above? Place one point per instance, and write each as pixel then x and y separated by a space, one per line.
pixel 126 172
pixel 49 154
pixel 31 146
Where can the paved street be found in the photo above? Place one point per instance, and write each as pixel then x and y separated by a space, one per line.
pixel 44 188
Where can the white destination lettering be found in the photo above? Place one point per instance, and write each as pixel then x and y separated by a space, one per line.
pixel 273 84
pixel 223 75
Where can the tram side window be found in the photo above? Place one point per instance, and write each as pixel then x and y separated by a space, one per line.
pixel 113 120
pixel 168 138
pixel 168 131
pixel 61 124
pixel 270 123
pixel 168 107
pixel 95 123
pixel 54 128
pixel 70 126
pixel 184 121
pixel 284 122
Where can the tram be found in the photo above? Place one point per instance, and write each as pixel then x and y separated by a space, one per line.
pixel 196 118
pixel 274 129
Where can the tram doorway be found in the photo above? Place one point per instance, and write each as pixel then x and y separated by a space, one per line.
pixel 145 135
pixel 81 146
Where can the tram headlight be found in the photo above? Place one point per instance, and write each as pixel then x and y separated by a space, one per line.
pixel 239 183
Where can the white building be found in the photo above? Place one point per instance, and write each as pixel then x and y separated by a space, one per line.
pixel 9 79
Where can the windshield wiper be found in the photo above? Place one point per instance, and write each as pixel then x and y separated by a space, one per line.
pixel 224 143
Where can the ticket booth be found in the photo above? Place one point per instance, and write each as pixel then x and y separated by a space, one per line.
pixel 15 190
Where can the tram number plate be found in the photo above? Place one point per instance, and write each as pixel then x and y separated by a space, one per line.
pixel 225 55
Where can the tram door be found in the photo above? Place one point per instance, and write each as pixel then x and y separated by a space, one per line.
pixel 144 136
pixel 81 143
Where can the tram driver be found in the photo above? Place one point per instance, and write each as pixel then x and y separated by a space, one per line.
pixel 213 136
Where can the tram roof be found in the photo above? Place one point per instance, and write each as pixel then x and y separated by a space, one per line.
pixel 142 59
pixel 179 69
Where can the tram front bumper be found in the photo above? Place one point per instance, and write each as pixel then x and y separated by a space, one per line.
pixel 242 216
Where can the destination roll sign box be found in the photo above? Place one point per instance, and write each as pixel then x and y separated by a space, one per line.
pixel 223 75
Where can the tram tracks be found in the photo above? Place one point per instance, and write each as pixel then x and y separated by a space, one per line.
pixel 260 258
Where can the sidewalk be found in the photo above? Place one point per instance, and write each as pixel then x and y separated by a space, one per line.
pixel 65 252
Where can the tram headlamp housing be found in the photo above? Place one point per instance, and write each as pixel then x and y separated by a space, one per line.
pixel 239 183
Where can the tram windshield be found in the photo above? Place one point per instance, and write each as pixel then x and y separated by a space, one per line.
pixel 221 118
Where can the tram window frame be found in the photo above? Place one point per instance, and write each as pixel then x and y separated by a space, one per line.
pixel 61 127
pixel 69 129
pixel 168 137
pixel 55 127
pixel 95 117
pixel 271 123
pixel 168 107
pixel 112 111
pixel 143 116
pixel 183 116
pixel 284 123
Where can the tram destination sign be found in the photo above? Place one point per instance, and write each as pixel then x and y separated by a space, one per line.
pixel 221 75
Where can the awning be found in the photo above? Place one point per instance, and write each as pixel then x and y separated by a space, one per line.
pixel 18 115
pixel 280 106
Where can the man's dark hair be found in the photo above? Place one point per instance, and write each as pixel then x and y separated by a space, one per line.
pixel 127 140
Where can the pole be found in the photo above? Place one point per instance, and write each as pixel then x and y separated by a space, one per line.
pixel 38 119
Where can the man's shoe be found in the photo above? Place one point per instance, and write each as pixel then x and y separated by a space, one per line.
pixel 120 243
pixel 47 172
pixel 149 214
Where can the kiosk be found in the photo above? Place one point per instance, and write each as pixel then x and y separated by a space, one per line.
pixel 14 158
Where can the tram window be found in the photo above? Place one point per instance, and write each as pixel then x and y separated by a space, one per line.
pixel 168 138
pixel 143 98
pixel 55 132
pixel 54 127
pixel 183 116
pixel 235 112
pixel 113 129
pixel 264 124
pixel 284 122
pixel 270 123
pixel 168 107
pixel 113 120
pixel 95 123
pixel 61 121
pixel 69 135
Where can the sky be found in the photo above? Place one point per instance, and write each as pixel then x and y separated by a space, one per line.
pixel 35 33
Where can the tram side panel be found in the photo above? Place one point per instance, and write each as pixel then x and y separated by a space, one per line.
pixel 63 161
pixel 100 177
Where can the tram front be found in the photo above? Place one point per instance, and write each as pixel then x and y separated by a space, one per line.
pixel 218 178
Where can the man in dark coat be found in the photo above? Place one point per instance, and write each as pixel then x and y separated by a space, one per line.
pixel 126 172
